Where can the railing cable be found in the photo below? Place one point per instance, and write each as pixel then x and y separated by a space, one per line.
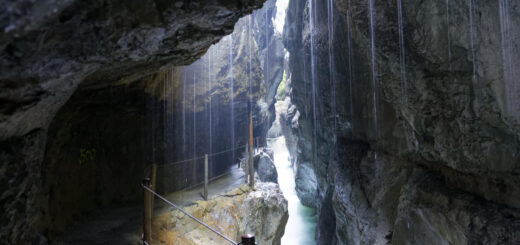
pixel 189 215
pixel 201 157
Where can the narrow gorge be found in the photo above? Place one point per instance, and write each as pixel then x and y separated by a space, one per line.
pixel 362 122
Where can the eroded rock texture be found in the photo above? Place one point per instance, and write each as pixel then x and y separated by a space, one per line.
pixel 428 154
pixel 75 78
pixel 238 212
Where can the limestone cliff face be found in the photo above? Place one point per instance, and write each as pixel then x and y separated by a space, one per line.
pixel 75 77
pixel 206 106
pixel 262 212
pixel 271 48
pixel 429 152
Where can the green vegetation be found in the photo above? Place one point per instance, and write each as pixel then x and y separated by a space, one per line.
pixel 280 93
pixel 86 155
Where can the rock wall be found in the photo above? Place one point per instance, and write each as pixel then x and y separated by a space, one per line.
pixel 415 145
pixel 207 103
pixel 271 48
pixel 262 212
pixel 73 96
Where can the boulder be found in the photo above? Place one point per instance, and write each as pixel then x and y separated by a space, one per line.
pixel 262 212
pixel 265 168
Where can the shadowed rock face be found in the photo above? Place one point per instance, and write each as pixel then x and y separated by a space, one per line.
pixel 84 70
pixel 49 48
pixel 442 146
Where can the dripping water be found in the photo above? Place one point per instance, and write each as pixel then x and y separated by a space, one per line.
pixel 448 34
pixel 184 112
pixel 350 69
pixel 507 56
pixel 165 111
pixel 194 128
pixel 305 75
pixel 210 113
pixel 472 41
pixel 330 23
pixel 173 106
pixel 402 52
pixel 266 63
pixel 374 75
pixel 313 78
pixel 249 40
pixel 168 113
pixel 232 100
pixel 373 59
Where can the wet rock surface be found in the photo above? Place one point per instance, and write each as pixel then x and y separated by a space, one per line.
pixel 306 184
pixel 406 160
pixel 262 212
pixel 265 168
pixel 207 107
pixel 74 82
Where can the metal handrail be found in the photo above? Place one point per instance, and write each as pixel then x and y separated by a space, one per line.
pixel 189 215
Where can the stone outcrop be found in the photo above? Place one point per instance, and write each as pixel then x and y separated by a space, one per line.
pixel 427 153
pixel 265 168
pixel 75 77
pixel 262 212
pixel 271 49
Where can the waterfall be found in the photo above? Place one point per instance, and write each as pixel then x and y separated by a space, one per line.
pixel 330 23
pixel 350 68
pixel 232 100
pixel 373 57
pixel 312 16
pixel 402 52
pixel 511 86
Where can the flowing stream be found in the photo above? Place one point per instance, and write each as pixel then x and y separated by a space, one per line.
pixel 302 220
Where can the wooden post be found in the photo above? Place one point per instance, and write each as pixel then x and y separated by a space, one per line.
pixel 246 165
pixel 154 180
pixel 251 163
pixel 147 213
pixel 206 177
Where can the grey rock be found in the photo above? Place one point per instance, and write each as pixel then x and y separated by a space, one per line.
pixel 74 77
pixel 265 168
pixel 453 123
pixel 306 184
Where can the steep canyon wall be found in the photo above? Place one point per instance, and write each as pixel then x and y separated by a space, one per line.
pixel 413 138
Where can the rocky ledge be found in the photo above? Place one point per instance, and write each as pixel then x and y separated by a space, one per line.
pixel 262 211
